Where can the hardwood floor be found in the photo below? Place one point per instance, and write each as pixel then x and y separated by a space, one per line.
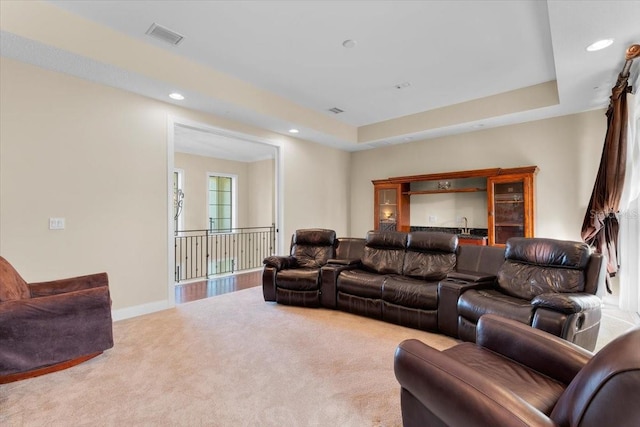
pixel 217 286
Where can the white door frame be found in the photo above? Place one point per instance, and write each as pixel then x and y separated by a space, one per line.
pixel 172 122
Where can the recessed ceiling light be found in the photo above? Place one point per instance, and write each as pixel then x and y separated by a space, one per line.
pixel 349 44
pixel 293 131
pixel 177 96
pixel 599 45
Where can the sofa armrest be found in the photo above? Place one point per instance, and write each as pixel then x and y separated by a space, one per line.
pixel 329 282
pixel 350 261
pixel 55 287
pixel 539 350
pixel 470 398
pixel 449 290
pixel 471 276
pixel 572 316
pixel 269 283
pixel 280 262
pixel 567 303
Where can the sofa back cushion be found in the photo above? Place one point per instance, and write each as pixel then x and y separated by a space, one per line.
pixel 605 391
pixel 430 255
pixel 12 286
pixel 313 247
pixel 484 259
pixel 384 251
pixel 350 248
pixel 535 266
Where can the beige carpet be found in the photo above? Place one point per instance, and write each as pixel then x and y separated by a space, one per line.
pixel 230 360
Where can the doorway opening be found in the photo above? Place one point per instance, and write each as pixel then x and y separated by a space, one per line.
pixel 225 203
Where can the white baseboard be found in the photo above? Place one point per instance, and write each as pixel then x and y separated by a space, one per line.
pixel 139 310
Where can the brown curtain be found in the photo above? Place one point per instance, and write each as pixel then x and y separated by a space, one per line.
pixel 600 226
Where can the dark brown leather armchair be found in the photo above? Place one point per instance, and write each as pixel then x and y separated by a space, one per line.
pixel 295 279
pixel 546 283
pixel 516 375
pixel 51 325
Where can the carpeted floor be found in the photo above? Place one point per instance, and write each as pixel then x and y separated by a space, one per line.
pixel 230 360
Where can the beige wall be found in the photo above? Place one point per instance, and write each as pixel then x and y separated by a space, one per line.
pixel 97 156
pixel 566 149
pixel 316 188
pixel 261 193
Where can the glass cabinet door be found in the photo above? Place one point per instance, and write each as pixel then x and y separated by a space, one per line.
pixel 387 209
pixel 510 208
pixel 391 206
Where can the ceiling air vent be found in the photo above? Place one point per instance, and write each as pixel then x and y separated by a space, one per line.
pixel 164 34
pixel 336 110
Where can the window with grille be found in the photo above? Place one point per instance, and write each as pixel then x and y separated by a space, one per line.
pixel 221 202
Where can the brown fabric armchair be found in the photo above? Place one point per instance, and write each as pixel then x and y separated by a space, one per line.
pixel 516 375
pixel 296 279
pixel 51 325
pixel 546 283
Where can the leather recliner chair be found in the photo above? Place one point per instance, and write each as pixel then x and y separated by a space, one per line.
pixel 48 326
pixel 516 375
pixel 295 279
pixel 546 283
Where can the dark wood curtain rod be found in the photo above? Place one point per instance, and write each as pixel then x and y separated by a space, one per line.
pixel 633 52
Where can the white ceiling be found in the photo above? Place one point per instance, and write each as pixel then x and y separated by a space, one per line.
pixel 449 52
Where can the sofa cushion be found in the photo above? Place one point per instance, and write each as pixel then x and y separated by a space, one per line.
pixel 314 237
pixel 550 252
pixel 475 302
pixel 361 283
pixel 313 247
pixel 536 389
pixel 428 266
pixel 528 281
pixel 538 266
pixel 312 256
pixel 350 248
pixel 12 285
pixel 487 259
pixel 384 251
pixel 408 292
pixel 299 279
pixel 429 255
pixel 430 241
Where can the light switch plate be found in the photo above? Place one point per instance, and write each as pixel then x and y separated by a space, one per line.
pixel 56 223
pixel 432 219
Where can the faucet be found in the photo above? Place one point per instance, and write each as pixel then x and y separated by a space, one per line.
pixel 465 230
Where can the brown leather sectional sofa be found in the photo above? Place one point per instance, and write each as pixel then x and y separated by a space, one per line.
pixel 425 280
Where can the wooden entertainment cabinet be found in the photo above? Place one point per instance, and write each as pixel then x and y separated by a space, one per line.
pixel 510 198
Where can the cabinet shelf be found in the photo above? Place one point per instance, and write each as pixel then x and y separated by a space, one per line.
pixel 450 190
pixel 506 217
